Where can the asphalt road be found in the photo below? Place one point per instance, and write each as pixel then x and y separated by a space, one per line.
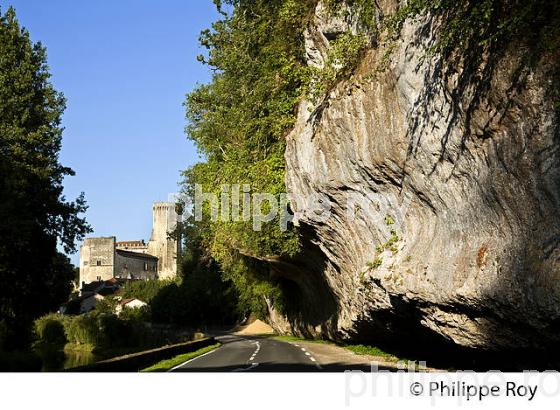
pixel 260 354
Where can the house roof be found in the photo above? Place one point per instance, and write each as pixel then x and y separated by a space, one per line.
pixel 95 296
pixel 92 287
pixel 129 254
pixel 106 291
pixel 127 301
pixel 102 287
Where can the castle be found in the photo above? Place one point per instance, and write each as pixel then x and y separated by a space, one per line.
pixel 103 259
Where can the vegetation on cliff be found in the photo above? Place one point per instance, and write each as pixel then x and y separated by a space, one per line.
pixel 34 215
pixel 239 122
pixel 256 52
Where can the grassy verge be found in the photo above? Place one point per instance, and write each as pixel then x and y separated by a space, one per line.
pixel 358 349
pixel 301 339
pixel 168 364
pixel 371 351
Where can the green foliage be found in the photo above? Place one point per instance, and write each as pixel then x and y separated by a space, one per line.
pixel 168 364
pixel 143 290
pixel 203 296
pixel 364 9
pixel 106 305
pixel 139 314
pixel 344 55
pixel 391 242
pixel 481 23
pixel 83 329
pixel 358 349
pixel 239 122
pixel 371 351
pixel 95 330
pixel 35 278
pixel 301 339
pixel 49 330
pixel 362 276
pixel 376 263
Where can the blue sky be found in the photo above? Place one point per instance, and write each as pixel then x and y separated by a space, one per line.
pixel 124 67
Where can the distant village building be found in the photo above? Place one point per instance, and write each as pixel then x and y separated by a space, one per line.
pixel 103 259
pixel 89 303
pixel 130 304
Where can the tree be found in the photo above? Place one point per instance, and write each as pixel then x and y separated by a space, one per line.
pixel 35 217
pixel 201 297
pixel 239 122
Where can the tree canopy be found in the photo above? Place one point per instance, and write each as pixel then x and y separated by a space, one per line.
pixel 239 122
pixel 35 217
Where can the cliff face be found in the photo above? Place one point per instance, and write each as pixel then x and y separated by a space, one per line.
pixel 457 174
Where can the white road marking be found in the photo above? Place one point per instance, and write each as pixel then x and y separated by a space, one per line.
pixel 311 358
pixel 258 344
pixel 194 358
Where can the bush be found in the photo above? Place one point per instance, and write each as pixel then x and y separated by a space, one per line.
pixel 103 330
pixel 114 331
pixel 83 329
pixel 141 314
pixel 50 330
pixel 143 290
pixel 203 298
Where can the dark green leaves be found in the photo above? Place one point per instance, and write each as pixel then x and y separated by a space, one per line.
pixel 34 216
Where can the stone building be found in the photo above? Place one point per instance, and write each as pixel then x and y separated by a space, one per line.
pixel 102 259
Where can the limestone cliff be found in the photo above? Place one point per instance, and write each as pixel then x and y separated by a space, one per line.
pixel 464 244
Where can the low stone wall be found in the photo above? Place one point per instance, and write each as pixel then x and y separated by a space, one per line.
pixel 141 360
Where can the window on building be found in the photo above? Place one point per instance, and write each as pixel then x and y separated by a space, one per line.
pixel 145 266
pixel 98 263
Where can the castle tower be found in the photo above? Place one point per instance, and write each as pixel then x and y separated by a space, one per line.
pixel 160 245
pixel 97 259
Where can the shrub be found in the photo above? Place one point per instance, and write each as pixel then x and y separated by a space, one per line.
pixel 84 329
pixel 50 330
pixel 114 331
pixel 141 314
pixel 143 290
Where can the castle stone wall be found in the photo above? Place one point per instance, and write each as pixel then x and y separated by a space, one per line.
pixel 97 259
pixel 132 265
pixel 103 258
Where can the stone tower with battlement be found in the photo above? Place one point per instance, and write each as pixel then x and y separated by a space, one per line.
pixel 161 245
pixel 102 259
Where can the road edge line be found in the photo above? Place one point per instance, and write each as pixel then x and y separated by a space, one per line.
pixel 191 360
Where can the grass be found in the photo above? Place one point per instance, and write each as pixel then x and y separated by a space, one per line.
pixel 300 339
pixel 168 364
pixel 358 349
pixel 370 350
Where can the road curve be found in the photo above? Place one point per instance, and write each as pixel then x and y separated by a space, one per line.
pixel 259 354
